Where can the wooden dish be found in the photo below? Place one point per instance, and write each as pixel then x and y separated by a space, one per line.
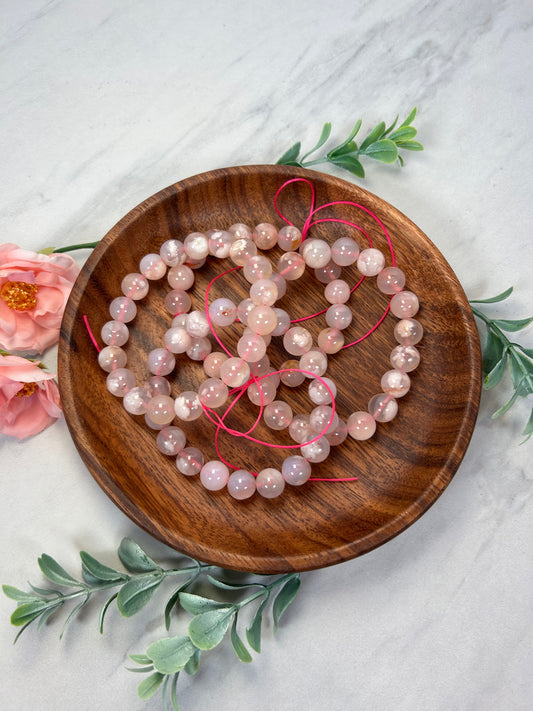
pixel 402 470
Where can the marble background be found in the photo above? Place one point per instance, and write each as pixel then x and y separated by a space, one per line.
pixel 103 103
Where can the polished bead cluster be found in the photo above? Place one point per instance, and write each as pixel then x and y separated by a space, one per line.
pixel 229 375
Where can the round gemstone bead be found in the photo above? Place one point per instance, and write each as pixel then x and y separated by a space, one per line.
pixel 136 400
pixel 370 262
pixel 317 451
pixel 289 238
pixel 120 381
pixel 408 332
pixel 241 250
pixel 214 475
pixel 187 406
pixel 160 409
pixel 405 358
pixel 337 291
pixel 293 378
pixel 390 280
pixel 196 245
pixel 213 363
pixel 404 305
pixel 219 243
pixel 270 483
pixel 170 441
pixel 251 347
pixel 277 415
pixel 330 272
pixel 260 367
pixel 265 235
pixel 297 340
pixel 177 340
pixel 395 383
pixel 241 484
pixel 112 357
pixel 361 425
pixel 190 461
pixel 344 251
pixel 213 392
pixel 300 430
pixel 180 277
pixel 160 361
pixel 123 309
pixel 262 320
pixel 135 286
pixel 382 407
pixel 243 309
pixel 296 470
pixel 234 372
pixel 152 266
pixel 323 419
pixel 316 253
pixel 339 316
pixel 280 283
pixel 115 333
pixel 172 252
pixel 291 266
pixel 284 322
pixel 330 340
pixel 256 268
pixel 263 392
pixel 264 292
pixel 338 435
pixel 177 301
pixel 157 385
pixel 197 324
pixel 314 362
pixel 199 349
pixel 318 392
pixel 240 231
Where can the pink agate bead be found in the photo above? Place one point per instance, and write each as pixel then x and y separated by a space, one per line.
pixel 314 362
pixel 338 435
pixel 404 305
pixel 405 358
pixel 395 383
pixel 277 415
pixel 256 268
pixel 157 385
pixel 120 381
pixel 251 348
pixel 177 301
pixel 241 484
pixel 241 250
pixel 115 333
pixel 262 320
pixel 243 309
pixel 219 243
pixel 319 394
pixel 213 392
pixel 240 231
pixel 170 441
pixel 213 363
pixel 270 483
pixel 197 324
pixel 190 461
pixel 280 283
pixel 177 340
pixel 152 266
pixel 361 425
pixel 284 322
pixel 330 340
pixel 339 316
pixel 160 409
pixel 135 286
pixel 260 367
pixel 337 291
pixel 123 309
pixel 370 262
pixel 112 357
pixel 199 349
pixel 289 238
pixel 196 245
pixel 390 280
pixel 214 475
pixel 234 372
pixel 160 361
pixel 300 430
pixel 264 292
pixel 293 378
pixel 297 340
pixel 263 392
pixel 187 406
pixel 179 320
pixel 136 400
pixel 291 266
pixel 316 253
pixel 317 451
pixel 344 251
pixel 172 252
pixel 323 419
pixel 296 470
pixel 330 272
pixel 180 277
pixel 383 407
pixel 408 332
pixel 265 235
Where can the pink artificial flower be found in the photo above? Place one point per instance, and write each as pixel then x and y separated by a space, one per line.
pixel 29 397
pixel 34 289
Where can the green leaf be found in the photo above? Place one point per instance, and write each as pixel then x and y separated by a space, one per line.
pixel 492 352
pixel 496 374
pixel 527 351
pixel 528 429
pixel 136 593
pixel 391 127
pixel 349 142
pixel 44 617
pixel 194 662
pixel 232 586
pixel 350 147
pixel 513 325
pixel 521 373
pixel 18 595
pixel 373 136
pixel 134 559
pixel 290 156
pixel 73 614
pixel 103 612
pixel 99 571
pixel 170 654
pixel 406 133
pixel 208 629
pixel 196 604
pixel 411 146
pixel 326 130
pixel 494 299
pixel 55 573
pixel 384 151
pixel 284 598
pixel 140 659
pixel 173 600
pixel 47 592
pixel 150 685
pixel 173 695
pixel 410 118
pixel 29 611
pixel 507 406
pixel 238 645
pixel 253 633
pixel 349 163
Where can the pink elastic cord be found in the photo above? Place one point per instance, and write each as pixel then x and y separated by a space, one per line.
pixel 91 335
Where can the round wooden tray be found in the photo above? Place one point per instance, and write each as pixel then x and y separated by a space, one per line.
pixel 402 470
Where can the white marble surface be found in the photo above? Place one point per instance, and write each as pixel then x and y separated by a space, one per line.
pixel 104 103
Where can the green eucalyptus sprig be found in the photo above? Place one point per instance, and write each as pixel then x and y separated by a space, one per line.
pixel 500 354
pixel 165 658
pixel 382 144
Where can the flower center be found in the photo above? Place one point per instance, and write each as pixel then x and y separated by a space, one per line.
pixel 27 389
pixel 19 295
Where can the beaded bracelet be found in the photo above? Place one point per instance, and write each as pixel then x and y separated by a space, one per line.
pixel 250 371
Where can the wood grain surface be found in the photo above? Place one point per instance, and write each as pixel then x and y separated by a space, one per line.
pixel 402 470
